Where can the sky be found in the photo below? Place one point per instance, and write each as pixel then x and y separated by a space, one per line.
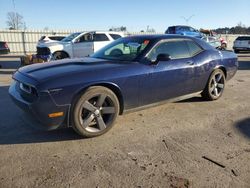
pixel 136 15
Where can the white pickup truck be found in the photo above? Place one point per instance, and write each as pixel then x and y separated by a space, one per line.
pixel 77 44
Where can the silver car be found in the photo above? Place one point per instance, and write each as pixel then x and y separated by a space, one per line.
pixel 242 43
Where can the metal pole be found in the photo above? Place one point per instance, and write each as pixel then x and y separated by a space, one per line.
pixel 23 41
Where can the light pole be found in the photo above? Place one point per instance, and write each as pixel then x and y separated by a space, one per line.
pixel 187 19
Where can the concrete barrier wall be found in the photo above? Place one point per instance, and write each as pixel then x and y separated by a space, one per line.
pixel 24 42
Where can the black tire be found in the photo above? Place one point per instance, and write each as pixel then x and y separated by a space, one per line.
pixel 236 51
pixel 95 112
pixel 215 86
pixel 59 55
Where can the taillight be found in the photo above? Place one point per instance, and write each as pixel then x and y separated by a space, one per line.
pixel 5 45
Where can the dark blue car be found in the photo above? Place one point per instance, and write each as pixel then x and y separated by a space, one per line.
pixel 130 73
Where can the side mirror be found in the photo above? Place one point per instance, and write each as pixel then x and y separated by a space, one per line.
pixel 163 57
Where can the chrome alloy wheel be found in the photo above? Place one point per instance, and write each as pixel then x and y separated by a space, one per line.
pixel 97 113
pixel 217 84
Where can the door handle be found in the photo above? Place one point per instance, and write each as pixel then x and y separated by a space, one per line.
pixel 190 63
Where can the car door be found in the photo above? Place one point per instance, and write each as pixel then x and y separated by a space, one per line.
pixel 168 79
pixel 100 40
pixel 83 46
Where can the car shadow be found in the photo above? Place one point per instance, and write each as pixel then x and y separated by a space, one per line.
pixel 193 99
pixel 243 127
pixel 16 131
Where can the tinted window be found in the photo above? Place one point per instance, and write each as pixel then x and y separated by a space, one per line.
pixel 243 38
pixel 85 38
pixel 193 48
pixel 100 37
pixel 123 49
pixel 171 30
pixel 176 49
pixel 70 37
pixel 115 36
pixel 56 38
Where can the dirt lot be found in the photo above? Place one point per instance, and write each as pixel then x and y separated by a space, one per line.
pixel 172 145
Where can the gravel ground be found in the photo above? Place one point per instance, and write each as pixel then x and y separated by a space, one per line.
pixel 190 143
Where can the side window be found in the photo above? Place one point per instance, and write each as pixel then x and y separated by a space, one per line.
pixel 85 38
pixel 193 48
pixel 100 37
pixel 115 36
pixel 176 49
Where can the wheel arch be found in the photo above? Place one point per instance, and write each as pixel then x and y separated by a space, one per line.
pixel 113 87
pixel 62 51
pixel 221 68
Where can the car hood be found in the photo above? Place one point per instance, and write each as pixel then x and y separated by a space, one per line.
pixel 52 43
pixel 61 68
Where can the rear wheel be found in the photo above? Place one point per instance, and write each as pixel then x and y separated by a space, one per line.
pixel 95 112
pixel 215 86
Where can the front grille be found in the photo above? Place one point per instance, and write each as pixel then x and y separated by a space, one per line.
pixel 43 51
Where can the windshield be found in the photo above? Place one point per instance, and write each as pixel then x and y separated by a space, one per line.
pixel 123 49
pixel 70 37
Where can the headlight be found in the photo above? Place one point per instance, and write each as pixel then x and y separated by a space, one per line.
pixel 26 88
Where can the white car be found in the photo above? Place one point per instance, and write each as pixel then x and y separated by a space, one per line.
pixel 46 39
pixel 242 43
pixel 77 44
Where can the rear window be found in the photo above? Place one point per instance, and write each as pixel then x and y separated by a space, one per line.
pixel 42 37
pixel 243 38
pixel 59 38
pixel 115 36
pixel 100 37
pixel 194 48
pixel 171 30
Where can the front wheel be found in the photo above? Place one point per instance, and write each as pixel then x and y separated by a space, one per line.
pixel 59 55
pixel 95 112
pixel 215 86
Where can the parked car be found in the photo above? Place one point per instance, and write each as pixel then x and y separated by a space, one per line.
pixel 183 30
pixel 4 48
pixel 242 43
pixel 215 37
pixel 130 73
pixel 213 41
pixel 79 44
pixel 45 39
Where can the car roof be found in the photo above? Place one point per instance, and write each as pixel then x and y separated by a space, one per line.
pixel 161 36
pixel 180 26
pixel 109 32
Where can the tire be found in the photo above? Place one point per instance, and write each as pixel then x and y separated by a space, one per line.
pixel 59 55
pixel 236 51
pixel 95 112
pixel 215 86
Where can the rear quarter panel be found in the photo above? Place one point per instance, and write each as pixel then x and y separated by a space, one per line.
pixel 230 63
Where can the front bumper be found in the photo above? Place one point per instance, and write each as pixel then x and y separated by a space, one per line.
pixel 36 113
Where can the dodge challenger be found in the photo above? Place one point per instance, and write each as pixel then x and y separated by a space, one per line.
pixel 130 73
